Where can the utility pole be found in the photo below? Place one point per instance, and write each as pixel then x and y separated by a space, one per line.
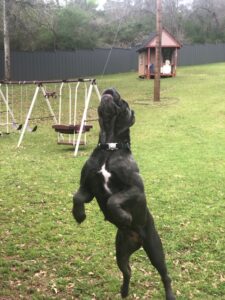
pixel 158 50
pixel 6 39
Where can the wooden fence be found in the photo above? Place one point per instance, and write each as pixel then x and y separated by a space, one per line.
pixel 41 65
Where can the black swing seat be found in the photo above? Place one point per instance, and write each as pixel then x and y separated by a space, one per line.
pixel 71 129
pixel 82 143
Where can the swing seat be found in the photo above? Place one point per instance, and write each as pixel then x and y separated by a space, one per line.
pixel 82 143
pixel 71 129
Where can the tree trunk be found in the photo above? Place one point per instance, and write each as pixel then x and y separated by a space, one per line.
pixel 158 50
pixel 6 39
pixel 57 3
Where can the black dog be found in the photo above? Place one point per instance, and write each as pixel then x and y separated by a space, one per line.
pixel 112 177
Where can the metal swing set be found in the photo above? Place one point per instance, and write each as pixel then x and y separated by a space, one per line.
pixel 7 118
pixel 71 127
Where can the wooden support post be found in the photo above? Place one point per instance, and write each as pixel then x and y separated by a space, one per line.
pixel 175 63
pixel 158 50
pixel 148 64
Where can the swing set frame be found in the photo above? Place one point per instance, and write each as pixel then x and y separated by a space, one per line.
pixel 8 111
pixel 72 128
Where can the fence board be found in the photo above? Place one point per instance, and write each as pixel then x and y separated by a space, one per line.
pixel 201 54
pixel 83 63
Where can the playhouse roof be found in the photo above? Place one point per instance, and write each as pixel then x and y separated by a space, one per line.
pixel 168 40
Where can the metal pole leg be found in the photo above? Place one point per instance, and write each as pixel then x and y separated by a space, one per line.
pixel 7 106
pixel 28 116
pixel 75 111
pixel 97 92
pixel 49 105
pixel 83 119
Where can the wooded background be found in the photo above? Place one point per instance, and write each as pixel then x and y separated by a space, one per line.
pixel 76 24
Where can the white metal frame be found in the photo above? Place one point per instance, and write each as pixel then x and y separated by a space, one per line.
pixel 9 112
pixel 87 101
pixel 25 126
pixel 39 87
pixel 73 112
pixel 88 90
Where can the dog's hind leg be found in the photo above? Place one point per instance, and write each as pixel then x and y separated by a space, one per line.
pixel 154 249
pixel 81 197
pixel 127 242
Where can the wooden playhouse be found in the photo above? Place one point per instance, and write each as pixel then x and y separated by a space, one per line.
pixel 146 57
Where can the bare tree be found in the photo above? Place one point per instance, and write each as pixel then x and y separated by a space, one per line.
pixel 173 17
pixel 6 4
pixel 57 3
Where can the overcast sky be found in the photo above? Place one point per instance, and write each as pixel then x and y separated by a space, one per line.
pixel 101 2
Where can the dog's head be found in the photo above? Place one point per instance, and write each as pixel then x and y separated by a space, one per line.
pixel 115 115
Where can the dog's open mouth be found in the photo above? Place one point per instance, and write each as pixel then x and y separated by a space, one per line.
pixel 112 105
pixel 110 94
pixel 107 97
pixel 111 91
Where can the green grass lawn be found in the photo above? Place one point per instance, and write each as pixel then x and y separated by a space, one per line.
pixel 179 145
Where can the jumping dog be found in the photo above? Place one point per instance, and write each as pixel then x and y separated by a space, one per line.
pixel 111 175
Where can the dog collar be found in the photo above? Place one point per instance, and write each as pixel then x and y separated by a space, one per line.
pixel 114 146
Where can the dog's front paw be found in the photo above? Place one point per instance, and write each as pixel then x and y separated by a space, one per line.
pixel 79 215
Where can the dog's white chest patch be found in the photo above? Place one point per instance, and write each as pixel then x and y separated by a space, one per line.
pixel 106 176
